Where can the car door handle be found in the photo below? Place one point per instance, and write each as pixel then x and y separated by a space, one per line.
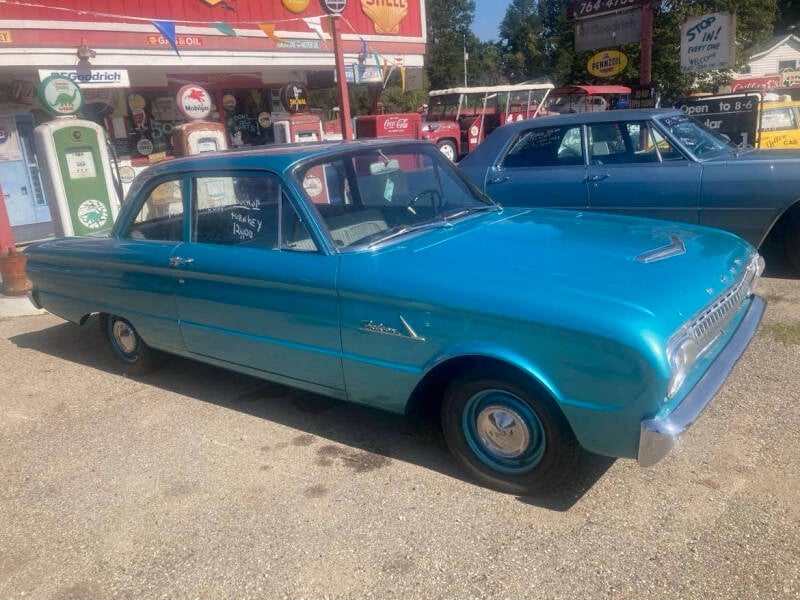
pixel 596 178
pixel 179 261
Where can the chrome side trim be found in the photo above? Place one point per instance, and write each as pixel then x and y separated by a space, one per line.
pixel 658 436
pixel 675 247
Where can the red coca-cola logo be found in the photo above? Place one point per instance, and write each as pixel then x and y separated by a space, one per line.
pixel 396 123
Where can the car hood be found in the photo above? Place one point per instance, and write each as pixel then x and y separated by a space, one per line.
pixel 534 258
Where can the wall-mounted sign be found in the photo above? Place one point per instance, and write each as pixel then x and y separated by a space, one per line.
pixel 181 41
pixel 585 9
pixel 607 63
pixel 295 6
pixel 609 30
pixel 5 36
pixel 334 7
pixel 386 16
pixel 756 83
pixel 643 96
pixel 60 95
pixel 193 102
pixel 294 97
pixel 708 42
pixel 91 78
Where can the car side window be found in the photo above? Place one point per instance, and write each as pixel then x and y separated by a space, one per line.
pixel 607 144
pixel 778 119
pixel 546 147
pixel 665 148
pixel 248 210
pixel 161 215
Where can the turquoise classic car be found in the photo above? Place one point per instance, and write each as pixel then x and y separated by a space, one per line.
pixel 375 273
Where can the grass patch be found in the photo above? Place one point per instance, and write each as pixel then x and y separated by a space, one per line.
pixel 785 333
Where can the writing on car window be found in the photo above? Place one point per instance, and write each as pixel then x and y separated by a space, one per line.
pixel 546 147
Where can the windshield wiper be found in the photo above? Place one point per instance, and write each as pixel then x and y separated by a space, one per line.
pixel 471 210
pixel 409 229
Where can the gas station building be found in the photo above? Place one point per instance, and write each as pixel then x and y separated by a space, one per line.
pixel 130 58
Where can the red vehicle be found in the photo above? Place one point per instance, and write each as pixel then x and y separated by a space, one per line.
pixel 459 119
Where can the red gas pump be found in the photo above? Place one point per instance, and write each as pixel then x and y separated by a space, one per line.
pixel 12 263
pixel 298 127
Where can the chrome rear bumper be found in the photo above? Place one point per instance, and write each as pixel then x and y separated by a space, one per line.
pixel 658 436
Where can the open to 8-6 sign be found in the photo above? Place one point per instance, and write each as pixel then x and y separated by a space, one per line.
pixel 334 7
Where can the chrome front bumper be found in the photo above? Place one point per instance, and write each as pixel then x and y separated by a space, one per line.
pixel 658 436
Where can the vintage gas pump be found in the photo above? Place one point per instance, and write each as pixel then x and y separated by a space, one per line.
pixel 198 135
pixel 298 125
pixel 74 162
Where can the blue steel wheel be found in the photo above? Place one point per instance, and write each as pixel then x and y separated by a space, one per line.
pixel 507 433
pixel 133 355
pixel 503 431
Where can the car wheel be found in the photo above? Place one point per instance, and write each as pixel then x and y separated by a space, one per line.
pixel 131 351
pixel 793 243
pixel 507 434
pixel 448 148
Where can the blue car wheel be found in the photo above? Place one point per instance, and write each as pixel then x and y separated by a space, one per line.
pixel 132 353
pixel 507 433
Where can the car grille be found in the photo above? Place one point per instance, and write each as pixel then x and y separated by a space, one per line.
pixel 707 325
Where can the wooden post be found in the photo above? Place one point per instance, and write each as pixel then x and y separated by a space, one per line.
pixel 344 99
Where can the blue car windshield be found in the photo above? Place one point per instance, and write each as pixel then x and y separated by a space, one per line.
pixel 698 139
pixel 370 195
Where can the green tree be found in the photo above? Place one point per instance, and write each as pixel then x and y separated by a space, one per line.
pixel 449 23
pixel 788 18
pixel 522 48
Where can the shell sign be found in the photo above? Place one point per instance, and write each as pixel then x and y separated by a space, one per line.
pixel 385 14
pixel 607 63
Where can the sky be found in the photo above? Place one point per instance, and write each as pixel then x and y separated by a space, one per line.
pixel 488 14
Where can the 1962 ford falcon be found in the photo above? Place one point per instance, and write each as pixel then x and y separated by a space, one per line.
pixel 372 272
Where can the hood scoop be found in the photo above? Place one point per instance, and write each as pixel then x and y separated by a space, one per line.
pixel 674 248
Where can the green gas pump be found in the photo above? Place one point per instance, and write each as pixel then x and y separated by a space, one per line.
pixel 75 166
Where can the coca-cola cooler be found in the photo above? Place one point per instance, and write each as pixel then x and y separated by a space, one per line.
pixel 400 125
pixel 298 127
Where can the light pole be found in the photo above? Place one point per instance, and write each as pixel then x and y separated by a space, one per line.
pixel 466 56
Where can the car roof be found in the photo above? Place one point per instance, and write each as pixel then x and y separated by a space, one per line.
pixel 279 157
pixel 604 116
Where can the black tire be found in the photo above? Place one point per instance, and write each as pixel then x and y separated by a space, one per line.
pixel 133 354
pixel 793 242
pixel 507 434
pixel 448 148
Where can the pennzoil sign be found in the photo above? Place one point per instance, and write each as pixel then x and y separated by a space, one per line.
pixel 607 63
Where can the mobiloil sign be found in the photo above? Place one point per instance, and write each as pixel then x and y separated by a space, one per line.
pixel 75 164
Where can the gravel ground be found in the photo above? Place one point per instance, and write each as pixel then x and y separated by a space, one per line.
pixel 200 483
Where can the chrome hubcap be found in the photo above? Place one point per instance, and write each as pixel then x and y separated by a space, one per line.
pixel 503 431
pixel 125 337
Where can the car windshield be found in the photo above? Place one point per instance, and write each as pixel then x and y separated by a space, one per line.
pixel 698 139
pixel 373 195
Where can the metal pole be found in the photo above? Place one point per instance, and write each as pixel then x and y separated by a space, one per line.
pixel 465 60
pixel 344 99
pixel 645 64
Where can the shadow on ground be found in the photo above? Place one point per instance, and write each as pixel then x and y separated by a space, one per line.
pixel 413 440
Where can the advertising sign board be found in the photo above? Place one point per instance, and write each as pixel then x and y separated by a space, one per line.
pixel 583 9
pixel 608 30
pixel 734 115
pixel 708 42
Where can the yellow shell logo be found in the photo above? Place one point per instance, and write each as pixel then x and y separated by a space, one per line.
pixel 607 63
pixel 386 15
pixel 295 6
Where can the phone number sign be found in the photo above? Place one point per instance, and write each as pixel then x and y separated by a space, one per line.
pixel 583 9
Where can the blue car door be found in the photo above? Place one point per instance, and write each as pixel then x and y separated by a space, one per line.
pixel 633 170
pixel 253 289
pixel 544 166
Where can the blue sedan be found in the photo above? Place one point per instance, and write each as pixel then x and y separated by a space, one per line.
pixel 652 163
pixel 374 273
